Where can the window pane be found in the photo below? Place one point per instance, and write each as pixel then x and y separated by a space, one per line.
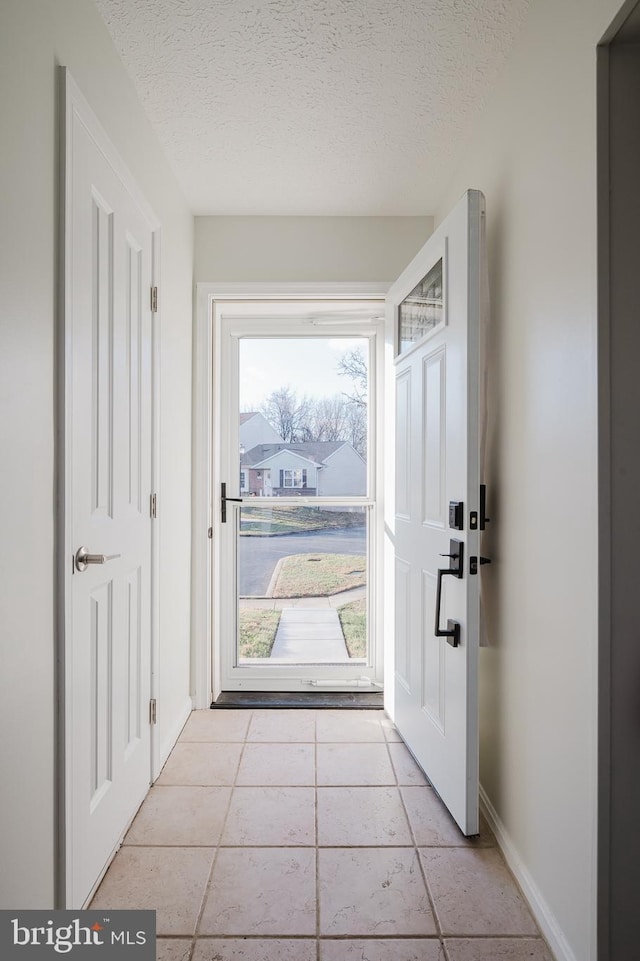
pixel 422 310
pixel 304 416
pixel 302 574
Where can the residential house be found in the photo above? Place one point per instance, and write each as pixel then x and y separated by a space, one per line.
pixel 529 142
pixel 308 468
pixel 256 429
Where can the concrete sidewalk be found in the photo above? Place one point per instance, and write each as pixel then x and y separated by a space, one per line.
pixel 306 634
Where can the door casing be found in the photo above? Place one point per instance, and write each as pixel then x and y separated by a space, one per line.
pixel 206 671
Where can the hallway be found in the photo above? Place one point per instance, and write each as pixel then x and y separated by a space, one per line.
pixel 311 836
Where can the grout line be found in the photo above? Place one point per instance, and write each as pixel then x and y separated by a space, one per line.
pixel 432 903
pixel 214 860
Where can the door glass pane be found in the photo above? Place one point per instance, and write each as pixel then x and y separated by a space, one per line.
pixel 302 577
pixel 422 310
pixel 303 416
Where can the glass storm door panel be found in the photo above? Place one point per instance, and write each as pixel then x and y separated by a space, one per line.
pixel 297 545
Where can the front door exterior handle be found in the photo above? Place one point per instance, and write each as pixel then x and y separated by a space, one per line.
pixel 452 630
pixel 83 558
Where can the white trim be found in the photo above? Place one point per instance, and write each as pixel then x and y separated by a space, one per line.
pixel 73 104
pixel 542 913
pixel 295 291
pixel 206 667
pixel 156 523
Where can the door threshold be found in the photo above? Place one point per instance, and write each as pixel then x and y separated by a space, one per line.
pixel 313 700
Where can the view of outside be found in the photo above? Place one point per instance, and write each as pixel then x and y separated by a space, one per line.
pixel 302 570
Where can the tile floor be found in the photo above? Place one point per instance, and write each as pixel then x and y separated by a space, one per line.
pixel 311 836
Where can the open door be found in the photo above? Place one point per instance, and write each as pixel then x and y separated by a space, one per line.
pixel 435 310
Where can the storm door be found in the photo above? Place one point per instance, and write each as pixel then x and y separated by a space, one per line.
pixel 295 497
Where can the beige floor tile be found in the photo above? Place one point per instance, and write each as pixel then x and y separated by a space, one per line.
pixel 354 764
pixel 216 725
pixel 361 816
pixel 474 893
pixel 277 764
pixel 283 726
pixel 270 816
pixel 495 949
pixel 254 949
pixel 170 881
pixel 261 891
pixel 173 949
pixel 407 949
pixel 349 726
pixel 372 891
pixel 432 824
pixel 406 769
pixel 180 816
pixel 201 764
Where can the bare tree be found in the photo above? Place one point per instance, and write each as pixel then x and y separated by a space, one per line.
pixel 288 415
pixel 353 364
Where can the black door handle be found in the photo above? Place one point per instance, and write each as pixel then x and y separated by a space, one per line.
pixel 223 502
pixel 452 630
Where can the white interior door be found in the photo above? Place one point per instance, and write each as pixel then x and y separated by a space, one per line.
pixel 108 404
pixel 435 311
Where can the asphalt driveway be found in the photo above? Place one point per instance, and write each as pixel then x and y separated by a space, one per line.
pixel 259 555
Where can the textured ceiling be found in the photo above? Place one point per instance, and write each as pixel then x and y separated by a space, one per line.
pixel 312 106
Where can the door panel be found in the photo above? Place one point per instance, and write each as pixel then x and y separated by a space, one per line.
pixel 108 276
pixel 434 308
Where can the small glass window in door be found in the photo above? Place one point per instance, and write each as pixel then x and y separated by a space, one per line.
pixel 423 310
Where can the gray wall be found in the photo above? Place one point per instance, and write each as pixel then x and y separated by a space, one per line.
pixel 619 446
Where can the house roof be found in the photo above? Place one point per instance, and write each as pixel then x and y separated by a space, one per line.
pixel 247 415
pixel 316 451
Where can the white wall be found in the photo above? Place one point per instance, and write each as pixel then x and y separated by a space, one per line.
pixel 533 153
pixel 34 38
pixel 306 248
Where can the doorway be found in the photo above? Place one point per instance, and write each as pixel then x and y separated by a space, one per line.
pixel 295 529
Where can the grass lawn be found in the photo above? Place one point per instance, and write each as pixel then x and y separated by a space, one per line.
pixel 257 631
pixel 318 575
pixel 353 618
pixel 295 520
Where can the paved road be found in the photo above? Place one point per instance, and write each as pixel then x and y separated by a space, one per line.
pixel 259 555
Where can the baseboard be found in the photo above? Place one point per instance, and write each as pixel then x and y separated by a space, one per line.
pixel 174 733
pixel 544 916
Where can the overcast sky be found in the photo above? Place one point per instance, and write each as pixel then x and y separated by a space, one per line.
pixel 309 365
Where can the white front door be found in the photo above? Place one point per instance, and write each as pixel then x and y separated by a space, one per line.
pixel 108 404
pixel 435 309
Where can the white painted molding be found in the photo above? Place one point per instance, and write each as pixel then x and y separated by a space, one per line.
pixel 295 290
pixel 544 916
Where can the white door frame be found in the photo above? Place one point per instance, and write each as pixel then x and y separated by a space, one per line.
pixel 72 102
pixel 205 660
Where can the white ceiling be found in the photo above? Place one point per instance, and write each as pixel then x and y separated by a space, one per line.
pixel 331 107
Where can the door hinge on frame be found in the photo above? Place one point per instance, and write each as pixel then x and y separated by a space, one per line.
pixel 153 505
pixel 153 712
pixel 154 300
